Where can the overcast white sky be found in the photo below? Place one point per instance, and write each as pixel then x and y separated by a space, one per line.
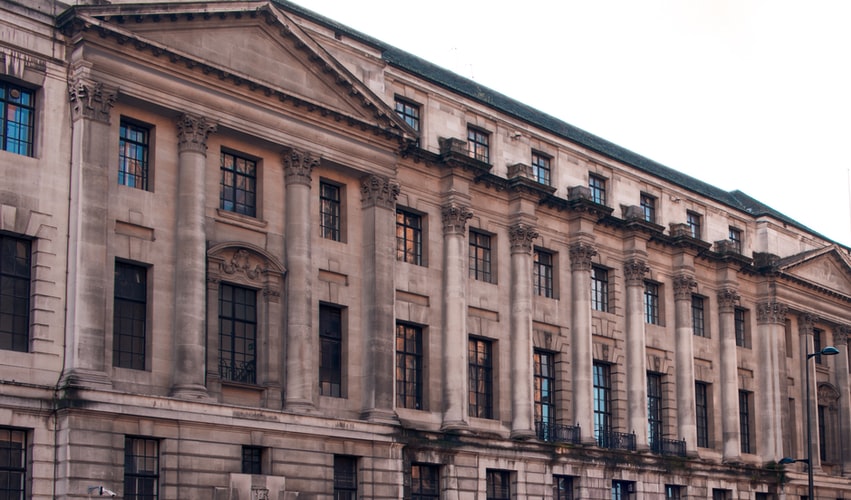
pixel 743 94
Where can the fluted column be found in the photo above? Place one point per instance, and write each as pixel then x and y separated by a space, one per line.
pixel 840 340
pixel 636 357
pixel 454 362
pixel 771 321
pixel 806 323
pixel 378 196
pixel 730 430
pixel 190 264
pixel 301 384
pixel 684 285
pixel 521 237
pixel 89 272
pixel 582 355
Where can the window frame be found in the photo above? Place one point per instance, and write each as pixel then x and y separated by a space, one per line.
pixel 409 236
pixel 543 274
pixel 740 326
pixel 425 488
pixel 698 315
pixel 597 185
pixel 330 210
pixel 673 492
pixel 746 414
pixel 602 393
pixel 623 490
pixel 21 277
pixel 702 412
pixel 478 143
pixel 542 168
pixel 150 475
pixel 252 459
pixel 409 111
pixel 648 207
pixel 563 487
pixel 599 288
pixel 409 363
pixel 497 484
pixel 331 378
pixel 694 221
pixel 481 262
pixel 12 454
pixel 735 235
pixel 345 477
pixel 127 142
pixel 248 356
pixel 27 125
pixel 480 365
pixel 655 411
pixel 544 388
pixel 136 357
pixel 652 303
pixel 244 180
pixel 818 342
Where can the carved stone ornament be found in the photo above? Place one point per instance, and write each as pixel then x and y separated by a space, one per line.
pixel 840 334
pixel 242 263
pixel 379 191
pixel 521 237
pixel 91 99
pixel 298 165
pixel 259 493
pixel 806 323
pixel 580 256
pixel 455 219
pixel 771 312
pixel 684 285
pixel 634 271
pixel 192 133
pixel 728 299
pixel 828 395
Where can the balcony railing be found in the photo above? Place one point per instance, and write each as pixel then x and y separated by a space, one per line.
pixel 664 446
pixel 616 440
pixel 556 433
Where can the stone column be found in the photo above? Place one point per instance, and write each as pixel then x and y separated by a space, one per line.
pixel 301 385
pixel 636 354
pixel 582 353
pixel 771 397
pixel 806 323
pixel 521 237
pixel 454 362
pixel 840 340
pixel 378 195
pixel 684 285
pixel 730 431
pixel 89 272
pixel 190 264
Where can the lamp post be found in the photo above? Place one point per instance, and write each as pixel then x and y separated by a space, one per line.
pixel 827 351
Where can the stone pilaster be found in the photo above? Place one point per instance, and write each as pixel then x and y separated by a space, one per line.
pixel 684 286
pixel 454 362
pixel 843 380
pixel 770 376
pixel 521 237
pixel 635 270
pixel 582 357
pixel 89 271
pixel 190 282
pixel 730 431
pixel 301 385
pixel 378 196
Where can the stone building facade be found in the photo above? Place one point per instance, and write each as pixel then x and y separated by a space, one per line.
pixel 249 253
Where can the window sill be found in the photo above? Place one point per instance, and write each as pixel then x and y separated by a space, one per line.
pixel 240 220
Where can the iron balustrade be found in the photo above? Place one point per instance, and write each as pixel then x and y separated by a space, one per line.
pixel 557 433
pixel 238 371
pixel 616 440
pixel 665 446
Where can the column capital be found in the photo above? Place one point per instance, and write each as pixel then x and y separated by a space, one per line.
pixel 379 191
pixel 521 237
pixel 728 298
pixel 192 133
pixel 581 255
pixel 298 166
pixel 684 285
pixel 840 334
pixel 771 312
pixel 806 323
pixel 634 271
pixel 455 218
pixel 91 99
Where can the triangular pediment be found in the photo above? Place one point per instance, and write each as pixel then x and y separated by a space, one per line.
pixel 250 44
pixel 828 268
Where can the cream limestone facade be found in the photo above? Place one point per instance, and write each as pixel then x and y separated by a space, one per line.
pixel 249 253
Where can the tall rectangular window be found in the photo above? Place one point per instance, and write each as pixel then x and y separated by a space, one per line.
pixel 821 425
pixel 701 407
pixel 543 273
pixel 719 494
pixel 498 484
pixel 252 460
pixel 409 237
pixel 408 111
pixel 741 327
pixel 330 351
pixel 14 293
pixel 563 488
pixel 330 221
pixel 818 345
pixel 13 463
pixel 345 478
pixel 598 188
pixel 238 190
pixel 17 114
pixel 409 366
pixel 673 492
pixel 237 334
pixel 693 219
pixel 651 303
pixel 478 144
pixel 602 403
pixel 480 359
pixel 480 256
pixel 648 207
pixel 129 317
pixel 623 490
pixel 541 168
pixel 698 317
pixel 745 431
pixel 735 237
pixel 141 468
pixel 425 482
pixel 544 385
pixel 654 411
pixel 599 288
pixel 133 151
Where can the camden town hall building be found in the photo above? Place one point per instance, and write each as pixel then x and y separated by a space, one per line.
pixel 249 253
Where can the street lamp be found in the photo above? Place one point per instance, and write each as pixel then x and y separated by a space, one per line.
pixel 827 351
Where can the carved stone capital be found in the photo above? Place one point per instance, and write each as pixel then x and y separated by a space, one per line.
pixel 728 299
pixel 455 218
pixel 297 166
pixel 840 334
pixel 379 191
pixel 806 323
pixel 771 312
pixel 91 99
pixel 580 256
pixel 521 237
pixel 634 271
pixel 192 133
pixel 684 285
